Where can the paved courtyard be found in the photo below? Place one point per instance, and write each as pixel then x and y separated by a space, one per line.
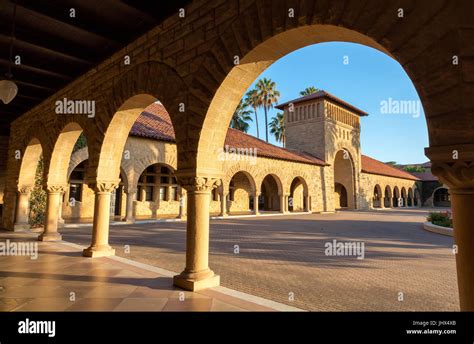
pixel 282 258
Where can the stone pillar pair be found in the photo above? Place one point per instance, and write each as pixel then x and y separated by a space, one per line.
pixel 256 195
pixel 223 195
pixel 197 275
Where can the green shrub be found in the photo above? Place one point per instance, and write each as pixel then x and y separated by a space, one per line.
pixel 443 219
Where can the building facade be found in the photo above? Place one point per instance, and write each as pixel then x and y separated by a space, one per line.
pixel 321 170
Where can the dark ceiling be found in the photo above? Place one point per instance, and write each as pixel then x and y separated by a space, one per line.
pixel 55 48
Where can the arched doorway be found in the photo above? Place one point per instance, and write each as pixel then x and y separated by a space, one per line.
pixel 344 181
pixel 270 192
pixel 441 197
pixel 157 193
pixel 340 195
pixel 377 199
pixel 403 201
pixel 299 199
pixel 396 197
pixel 241 194
pixel 410 197
pixel 387 201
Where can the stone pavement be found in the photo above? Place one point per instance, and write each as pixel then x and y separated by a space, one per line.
pixel 60 279
pixel 282 258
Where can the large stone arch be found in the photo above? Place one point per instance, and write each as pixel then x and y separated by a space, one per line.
pixel 121 105
pixel 260 40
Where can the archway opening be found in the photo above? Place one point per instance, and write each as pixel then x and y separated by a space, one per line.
pixel 388 197
pixel 270 191
pixel 298 200
pixel 410 197
pixel 157 193
pixel 396 197
pixel 377 198
pixel 340 195
pixel 241 194
pixel 403 200
pixel 343 180
pixel 441 197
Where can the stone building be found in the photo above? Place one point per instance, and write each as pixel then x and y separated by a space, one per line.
pixel 321 170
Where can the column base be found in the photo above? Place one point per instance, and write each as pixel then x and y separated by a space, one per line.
pixel 19 227
pixel 98 251
pixel 50 237
pixel 184 281
pixel 129 221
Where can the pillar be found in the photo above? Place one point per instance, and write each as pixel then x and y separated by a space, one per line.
pixel 459 177
pixel 255 203
pixel 60 211
pixel 23 208
pixel 223 202
pixel 100 229
pixel 197 275
pixel 283 204
pixel 129 211
pixel 308 203
pixel 182 203
pixel 53 200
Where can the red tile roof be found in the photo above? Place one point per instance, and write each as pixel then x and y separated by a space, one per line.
pixel 325 95
pixel 373 166
pixel 155 123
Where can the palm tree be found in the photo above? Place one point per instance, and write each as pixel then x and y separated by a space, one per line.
pixel 268 95
pixel 308 90
pixel 251 98
pixel 277 128
pixel 240 117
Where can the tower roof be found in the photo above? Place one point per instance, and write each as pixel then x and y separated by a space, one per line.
pixel 324 95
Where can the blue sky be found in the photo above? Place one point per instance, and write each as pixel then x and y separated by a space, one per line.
pixel 369 78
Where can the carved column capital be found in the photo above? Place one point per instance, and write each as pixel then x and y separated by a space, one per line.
pixel 191 184
pixel 25 189
pixel 55 188
pixel 458 176
pixel 103 186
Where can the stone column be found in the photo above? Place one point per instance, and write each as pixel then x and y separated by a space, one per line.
pixel 255 203
pixel 459 177
pixel 197 275
pixel 182 203
pixel 283 204
pixel 100 229
pixel 23 208
pixel 223 202
pixel 60 211
pixel 53 200
pixel 129 211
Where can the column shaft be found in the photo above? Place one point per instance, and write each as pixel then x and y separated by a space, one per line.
pixel 52 215
pixel 461 203
pixel 129 211
pixel 23 210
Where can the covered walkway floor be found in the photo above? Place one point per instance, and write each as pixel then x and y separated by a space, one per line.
pixel 60 279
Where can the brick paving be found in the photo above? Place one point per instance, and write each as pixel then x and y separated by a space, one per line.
pixel 282 258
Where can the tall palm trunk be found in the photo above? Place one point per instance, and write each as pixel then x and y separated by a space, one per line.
pixel 266 123
pixel 256 121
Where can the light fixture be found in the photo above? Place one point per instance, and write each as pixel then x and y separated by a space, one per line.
pixel 8 89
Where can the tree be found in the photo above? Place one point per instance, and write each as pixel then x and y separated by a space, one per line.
pixel 277 128
pixel 241 117
pixel 414 169
pixel 268 95
pixel 308 90
pixel 38 199
pixel 251 98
